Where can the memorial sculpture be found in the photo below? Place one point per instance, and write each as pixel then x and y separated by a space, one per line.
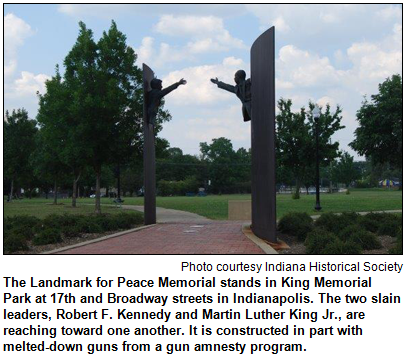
pixel 258 105
pixel 258 98
pixel 153 94
pixel 242 91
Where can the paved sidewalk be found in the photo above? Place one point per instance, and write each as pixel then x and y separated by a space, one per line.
pixel 212 237
pixel 172 216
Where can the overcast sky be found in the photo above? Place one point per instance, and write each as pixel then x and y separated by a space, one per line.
pixel 326 53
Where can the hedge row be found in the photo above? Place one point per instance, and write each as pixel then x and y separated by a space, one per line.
pixel 22 229
pixel 348 233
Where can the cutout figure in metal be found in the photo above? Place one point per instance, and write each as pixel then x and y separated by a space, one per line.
pixel 156 94
pixel 242 90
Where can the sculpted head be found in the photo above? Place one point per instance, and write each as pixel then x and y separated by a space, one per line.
pixel 239 76
pixel 156 84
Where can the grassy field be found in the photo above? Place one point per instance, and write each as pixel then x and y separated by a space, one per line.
pixel 216 206
pixel 42 208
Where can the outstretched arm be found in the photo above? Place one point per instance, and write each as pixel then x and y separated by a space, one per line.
pixel 223 85
pixel 170 88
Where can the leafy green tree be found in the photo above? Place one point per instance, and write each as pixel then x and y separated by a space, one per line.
pixel 344 170
pixel 106 88
pixel 19 142
pixel 379 135
pixel 60 152
pixel 226 168
pixel 296 144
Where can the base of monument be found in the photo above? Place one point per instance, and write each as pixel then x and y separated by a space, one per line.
pixel 239 210
pixel 270 248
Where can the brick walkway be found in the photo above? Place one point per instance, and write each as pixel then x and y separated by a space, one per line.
pixel 218 237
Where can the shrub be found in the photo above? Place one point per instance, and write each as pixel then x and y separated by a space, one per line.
pixel 127 220
pixel 338 247
pixel 346 233
pixel 389 228
pixel 317 240
pixel 368 223
pixel 47 236
pixel 398 249
pixel 88 225
pixel 296 195
pixel 23 225
pixel 336 223
pixel 14 242
pixel 298 224
pixel 373 222
pixel 367 240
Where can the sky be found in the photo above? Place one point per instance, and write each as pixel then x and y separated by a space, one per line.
pixel 334 54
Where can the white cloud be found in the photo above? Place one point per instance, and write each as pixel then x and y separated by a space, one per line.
pixel 200 90
pixel 391 12
pixel 16 31
pixel 27 85
pixel 300 68
pixel 207 32
pixel 107 11
pixel 159 57
pixel 280 24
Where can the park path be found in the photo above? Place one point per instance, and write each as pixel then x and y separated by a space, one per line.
pixel 176 232
pixel 211 237
pixel 172 216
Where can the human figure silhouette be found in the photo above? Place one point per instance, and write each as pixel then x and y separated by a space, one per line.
pixel 242 90
pixel 156 94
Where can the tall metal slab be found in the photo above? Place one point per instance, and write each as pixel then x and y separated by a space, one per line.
pixel 263 136
pixel 149 153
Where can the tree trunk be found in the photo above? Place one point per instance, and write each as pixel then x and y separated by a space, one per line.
pixel 118 182
pixel 74 191
pixel 55 193
pixel 98 177
pixel 296 195
pixel 10 197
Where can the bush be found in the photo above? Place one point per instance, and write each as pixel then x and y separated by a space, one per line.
pixel 339 247
pixel 367 240
pixel 317 240
pixel 128 220
pixel 336 223
pixel 88 225
pixel 346 233
pixel 47 236
pixel 23 225
pixel 390 228
pixel 373 222
pixel 298 224
pixel 368 223
pixel 14 242
pixel 398 249
pixel 296 195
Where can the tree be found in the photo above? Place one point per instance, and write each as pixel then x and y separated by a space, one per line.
pixel 295 140
pixel 19 142
pixel 344 171
pixel 379 134
pixel 59 151
pixel 106 88
pixel 227 169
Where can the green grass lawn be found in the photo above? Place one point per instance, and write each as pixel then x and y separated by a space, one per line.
pixel 42 208
pixel 216 206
